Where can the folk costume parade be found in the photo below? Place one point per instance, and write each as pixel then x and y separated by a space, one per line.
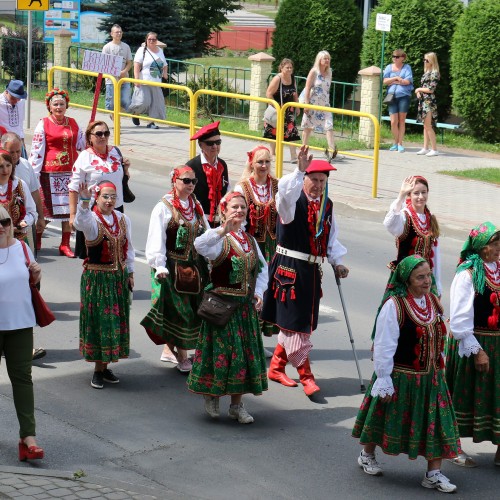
pixel 211 171
pixel 106 281
pixel 178 272
pixel 230 360
pixel 416 230
pixel 307 235
pixel 473 364
pixel 407 407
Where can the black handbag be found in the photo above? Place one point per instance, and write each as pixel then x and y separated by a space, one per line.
pixel 128 196
pixel 388 98
pixel 217 309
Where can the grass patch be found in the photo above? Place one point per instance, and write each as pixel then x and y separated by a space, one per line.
pixel 491 175
pixel 7 20
pixel 232 62
pixel 268 13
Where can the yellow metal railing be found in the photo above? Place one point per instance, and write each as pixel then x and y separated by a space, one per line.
pixel 193 107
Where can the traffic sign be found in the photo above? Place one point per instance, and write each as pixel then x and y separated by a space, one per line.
pixel 383 22
pixel 32 5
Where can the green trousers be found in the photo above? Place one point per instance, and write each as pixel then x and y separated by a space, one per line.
pixel 17 347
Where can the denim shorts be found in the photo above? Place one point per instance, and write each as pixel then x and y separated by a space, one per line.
pixel 399 105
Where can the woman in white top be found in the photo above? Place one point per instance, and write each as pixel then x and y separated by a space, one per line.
pixel 16 330
pixel 150 64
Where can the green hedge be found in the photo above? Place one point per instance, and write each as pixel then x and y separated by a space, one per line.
pixel 475 69
pixel 418 26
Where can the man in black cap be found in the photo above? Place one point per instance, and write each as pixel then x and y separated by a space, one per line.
pixel 307 236
pixel 211 171
pixel 12 103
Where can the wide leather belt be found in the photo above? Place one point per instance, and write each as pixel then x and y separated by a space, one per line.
pixel 312 259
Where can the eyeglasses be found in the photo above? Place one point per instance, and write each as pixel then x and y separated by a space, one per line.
pixel 100 133
pixel 188 180
pixel 218 142
pixel 426 61
pixel 396 57
pixel 111 197
pixel 261 162
pixel 5 222
pixel 152 39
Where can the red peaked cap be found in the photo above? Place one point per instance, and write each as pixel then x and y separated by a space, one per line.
pixel 319 166
pixel 207 131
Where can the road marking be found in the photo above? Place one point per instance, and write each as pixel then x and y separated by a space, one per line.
pixel 328 310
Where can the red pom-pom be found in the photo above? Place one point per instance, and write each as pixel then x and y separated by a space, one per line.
pixel 283 295
pixel 494 299
pixel 417 350
pixel 292 293
pixel 493 322
pixel 420 331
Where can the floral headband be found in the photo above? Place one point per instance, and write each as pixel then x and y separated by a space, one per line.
pixel 227 198
pixel 102 185
pixel 251 154
pixel 54 92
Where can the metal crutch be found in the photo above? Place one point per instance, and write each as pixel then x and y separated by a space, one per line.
pixel 337 279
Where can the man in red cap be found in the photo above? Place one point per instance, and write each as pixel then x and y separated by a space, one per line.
pixel 307 236
pixel 211 171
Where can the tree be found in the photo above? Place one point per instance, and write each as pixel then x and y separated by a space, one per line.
pixel 305 27
pixel 418 26
pixel 475 68
pixel 203 18
pixel 160 16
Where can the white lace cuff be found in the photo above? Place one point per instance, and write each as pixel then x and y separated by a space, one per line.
pixel 468 345
pixel 382 387
pixel 160 270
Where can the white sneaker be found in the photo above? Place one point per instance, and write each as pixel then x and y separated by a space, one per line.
pixel 185 365
pixel 423 151
pixel 432 152
pixel 211 405
pixel 439 482
pixel 369 464
pixel 239 412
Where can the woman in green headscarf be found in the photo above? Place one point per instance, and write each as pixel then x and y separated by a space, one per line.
pixel 407 408
pixel 473 367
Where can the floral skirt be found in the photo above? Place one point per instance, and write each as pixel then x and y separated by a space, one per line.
pixel 104 315
pixel 419 420
pixel 172 317
pixel 290 133
pixel 230 359
pixel 476 396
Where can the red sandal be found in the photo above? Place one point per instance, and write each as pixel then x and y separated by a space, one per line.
pixel 29 452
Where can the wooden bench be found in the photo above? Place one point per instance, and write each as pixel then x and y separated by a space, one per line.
pixel 440 126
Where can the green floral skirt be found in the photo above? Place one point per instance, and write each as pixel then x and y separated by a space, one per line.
pixel 230 359
pixel 476 396
pixel 172 317
pixel 104 316
pixel 419 420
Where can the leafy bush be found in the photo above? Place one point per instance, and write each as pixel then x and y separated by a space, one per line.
pixel 418 26
pixel 305 27
pixel 475 68
pixel 14 52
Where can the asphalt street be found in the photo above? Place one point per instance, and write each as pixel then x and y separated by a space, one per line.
pixel 150 431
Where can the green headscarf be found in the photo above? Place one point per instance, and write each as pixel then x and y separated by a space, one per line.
pixel 469 256
pixel 397 285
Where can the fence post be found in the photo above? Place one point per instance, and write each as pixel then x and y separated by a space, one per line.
pixel 260 71
pixel 62 42
pixel 370 95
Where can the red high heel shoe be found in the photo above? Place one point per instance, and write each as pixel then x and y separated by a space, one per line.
pixel 29 452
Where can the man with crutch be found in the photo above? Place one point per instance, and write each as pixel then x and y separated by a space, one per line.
pixel 307 236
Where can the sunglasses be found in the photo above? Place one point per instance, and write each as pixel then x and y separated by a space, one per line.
pixel 188 180
pixel 109 197
pixel 100 133
pixel 5 222
pixel 426 61
pixel 396 57
pixel 152 39
pixel 261 162
pixel 218 142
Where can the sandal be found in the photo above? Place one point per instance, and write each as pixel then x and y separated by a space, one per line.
pixel 463 460
pixel 39 352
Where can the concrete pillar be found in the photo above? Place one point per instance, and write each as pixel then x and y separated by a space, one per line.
pixel 370 95
pixel 260 71
pixel 62 42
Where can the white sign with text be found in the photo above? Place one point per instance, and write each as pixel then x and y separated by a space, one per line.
pixel 383 22
pixel 102 63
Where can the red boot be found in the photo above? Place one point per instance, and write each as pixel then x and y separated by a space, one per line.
pixel 38 240
pixel 64 248
pixel 277 368
pixel 307 378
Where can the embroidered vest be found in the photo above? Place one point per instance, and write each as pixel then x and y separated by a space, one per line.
pixel 487 309
pixel 261 216
pixel 234 272
pixel 107 252
pixel 60 146
pixel 420 344
pixel 297 234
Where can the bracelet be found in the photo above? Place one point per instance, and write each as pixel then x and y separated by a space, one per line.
pixel 85 199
